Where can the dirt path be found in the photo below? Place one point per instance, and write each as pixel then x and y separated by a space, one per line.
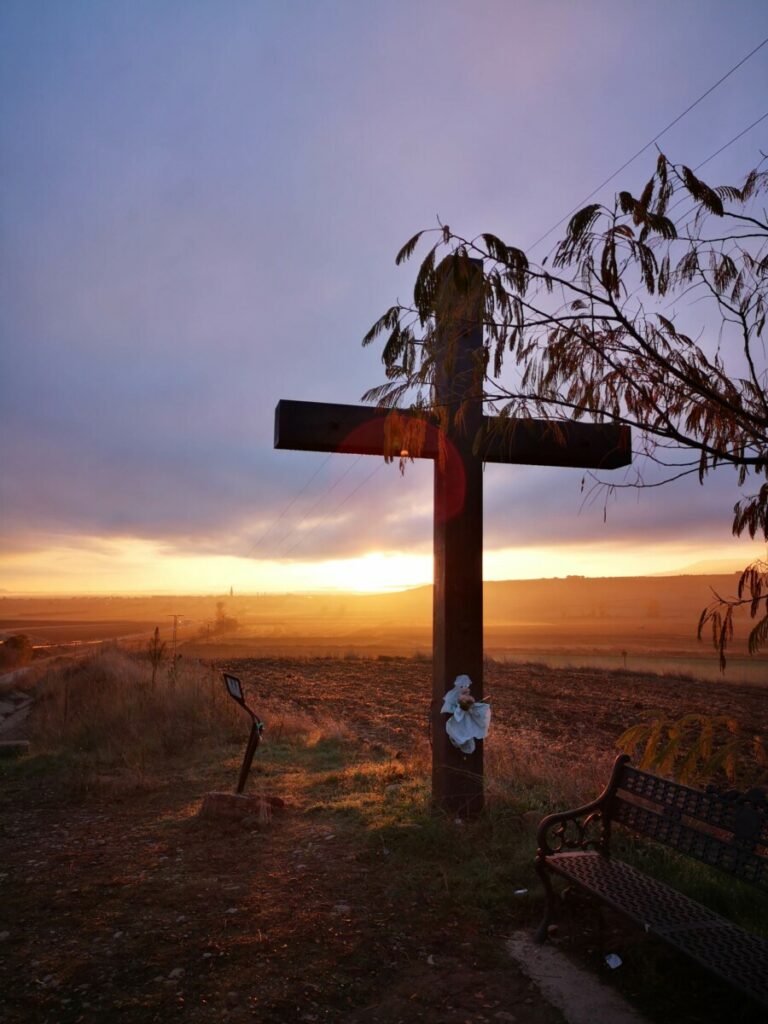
pixel 136 911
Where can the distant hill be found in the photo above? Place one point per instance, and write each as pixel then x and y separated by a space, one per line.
pixel 576 616
pixel 709 567
pixel 573 598
pixel 656 601
pixel 580 596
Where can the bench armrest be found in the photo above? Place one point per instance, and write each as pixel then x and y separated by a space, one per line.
pixel 579 829
pixel 582 828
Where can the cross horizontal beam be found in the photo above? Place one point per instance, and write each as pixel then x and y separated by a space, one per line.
pixel 361 430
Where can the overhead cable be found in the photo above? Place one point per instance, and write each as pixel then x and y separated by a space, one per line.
pixel 287 508
pixel 320 500
pixel 656 137
pixel 712 156
pixel 333 511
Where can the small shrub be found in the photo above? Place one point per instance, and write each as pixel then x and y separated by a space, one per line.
pixel 15 652
pixel 421 656
pixel 224 623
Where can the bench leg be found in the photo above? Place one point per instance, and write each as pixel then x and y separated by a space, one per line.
pixel 542 931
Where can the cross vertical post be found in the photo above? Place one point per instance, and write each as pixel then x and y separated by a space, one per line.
pixel 457 613
pixel 460 439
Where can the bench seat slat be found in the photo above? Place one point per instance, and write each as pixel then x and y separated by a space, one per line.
pixel 722 947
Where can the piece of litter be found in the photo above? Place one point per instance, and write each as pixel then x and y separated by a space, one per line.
pixel 520 892
pixel 431 960
pixel 613 960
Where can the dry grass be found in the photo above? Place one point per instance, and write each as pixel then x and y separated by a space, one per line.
pixel 307 729
pixel 523 768
pixel 114 729
pixel 544 749
pixel 107 707
pixel 24 679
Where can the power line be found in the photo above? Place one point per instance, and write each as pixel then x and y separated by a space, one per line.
pixel 333 511
pixel 579 205
pixel 320 500
pixel 734 139
pixel 712 156
pixel 290 504
pixel 379 465
pixel 656 137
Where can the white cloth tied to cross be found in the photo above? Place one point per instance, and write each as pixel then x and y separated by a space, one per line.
pixel 465 724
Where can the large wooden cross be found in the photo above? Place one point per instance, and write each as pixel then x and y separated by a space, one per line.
pixel 459 445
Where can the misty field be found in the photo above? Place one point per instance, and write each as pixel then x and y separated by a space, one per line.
pixel 354 904
pixel 671 654
pixel 645 624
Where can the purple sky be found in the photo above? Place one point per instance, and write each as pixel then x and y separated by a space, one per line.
pixel 201 203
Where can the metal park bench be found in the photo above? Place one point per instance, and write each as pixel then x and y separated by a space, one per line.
pixel 726 831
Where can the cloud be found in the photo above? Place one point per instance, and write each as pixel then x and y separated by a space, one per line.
pixel 362 505
pixel 202 213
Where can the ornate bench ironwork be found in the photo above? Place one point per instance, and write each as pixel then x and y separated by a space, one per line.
pixel 727 831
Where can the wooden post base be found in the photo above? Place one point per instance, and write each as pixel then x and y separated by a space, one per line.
pixel 235 807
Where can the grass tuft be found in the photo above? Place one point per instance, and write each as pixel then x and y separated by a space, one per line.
pixel 105 707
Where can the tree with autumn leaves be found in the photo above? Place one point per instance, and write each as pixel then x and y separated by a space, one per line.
pixel 650 312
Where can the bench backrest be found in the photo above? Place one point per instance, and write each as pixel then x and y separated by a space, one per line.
pixel 728 831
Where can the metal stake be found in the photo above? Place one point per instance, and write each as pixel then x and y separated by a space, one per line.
pixel 235 691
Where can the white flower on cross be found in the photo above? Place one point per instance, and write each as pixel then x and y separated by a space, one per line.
pixel 469 719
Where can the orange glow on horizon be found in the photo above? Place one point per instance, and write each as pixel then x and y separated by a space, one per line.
pixel 96 565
